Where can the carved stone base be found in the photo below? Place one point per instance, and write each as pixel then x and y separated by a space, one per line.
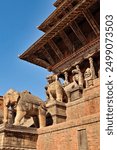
pixel 89 83
pixel 17 138
pixel 56 112
pixel 76 93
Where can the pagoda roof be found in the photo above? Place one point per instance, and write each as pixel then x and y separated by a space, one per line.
pixel 50 21
pixel 59 13
pixel 58 3
pixel 35 53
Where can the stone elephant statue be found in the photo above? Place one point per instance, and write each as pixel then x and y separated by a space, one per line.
pixel 25 105
pixel 55 90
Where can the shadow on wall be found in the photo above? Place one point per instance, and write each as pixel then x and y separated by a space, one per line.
pixel 49 120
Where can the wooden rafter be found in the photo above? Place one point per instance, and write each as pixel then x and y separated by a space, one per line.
pixel 91 21
pixel 51 33
pixel 78 32
pixel 55 49
pixel 66 40
pixel 39 61
pixel 48 56
pixel 90 48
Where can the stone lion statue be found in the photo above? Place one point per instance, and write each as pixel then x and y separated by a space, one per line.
pixel 55 90
pixel 24 104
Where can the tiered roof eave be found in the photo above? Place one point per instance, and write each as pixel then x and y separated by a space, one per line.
pixel 41 41
pixel 38 54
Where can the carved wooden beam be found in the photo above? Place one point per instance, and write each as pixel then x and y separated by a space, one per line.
pixel 66 40
pixel 43 62
pixel 91 21
pixel 78 32
pixel 39 61
pixel 55 49
pixel 48 56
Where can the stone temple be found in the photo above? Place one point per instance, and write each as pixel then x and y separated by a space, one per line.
pixel 70 50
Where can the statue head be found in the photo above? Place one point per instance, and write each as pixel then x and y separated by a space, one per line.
pixel 11 97
pixel 52 78
pixel 87 73
pixel 75 71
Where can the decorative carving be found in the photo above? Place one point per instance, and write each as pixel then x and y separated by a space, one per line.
pixel 54 90
pixel 66 82
pixel 92 67
pixel 78 77
pixel 88 78
pixel 89 74
pixel 77 82
pixel 24 104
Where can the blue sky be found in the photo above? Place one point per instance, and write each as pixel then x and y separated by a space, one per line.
pixel 18 22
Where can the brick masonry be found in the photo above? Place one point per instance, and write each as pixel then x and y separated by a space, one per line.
pixel 81 129
pixel 17 138
pixel 64 136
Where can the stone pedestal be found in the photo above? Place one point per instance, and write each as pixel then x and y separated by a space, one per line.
pixel 89 83
pixel 76 93
pixel 17 138
pixel 56 112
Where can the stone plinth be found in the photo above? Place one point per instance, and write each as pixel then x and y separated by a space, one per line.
pixel 17 138
pixel 76 93
pixel 77 134
pixel 87 105
pixel 56 112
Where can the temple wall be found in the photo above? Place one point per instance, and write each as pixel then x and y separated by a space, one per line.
pixel 87 105
pixel 17 138
pixel 78 134
pixel 81 129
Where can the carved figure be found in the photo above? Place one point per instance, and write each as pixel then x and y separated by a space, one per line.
pixel 77 82
pixel 77 77
pixel 89 74
pixel 92 67
pixel 66 82
pixel 25 104
pixel 54 89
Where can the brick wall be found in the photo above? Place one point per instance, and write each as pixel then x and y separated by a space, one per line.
pixel 64 136
pixel 87 105
pixel 17 138
pixel 81 129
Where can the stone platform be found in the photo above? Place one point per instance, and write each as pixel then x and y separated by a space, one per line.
pixel 76 134
pixel 57 112
pixel 81 128
pixel 17 138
